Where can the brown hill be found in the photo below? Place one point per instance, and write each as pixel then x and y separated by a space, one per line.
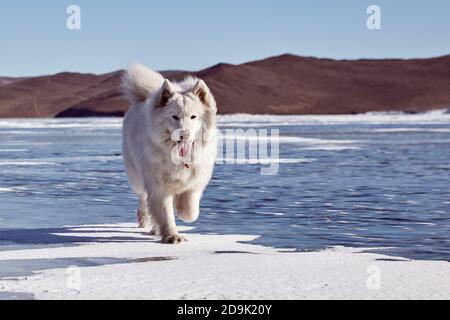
pixel 284 84
pixel 8 80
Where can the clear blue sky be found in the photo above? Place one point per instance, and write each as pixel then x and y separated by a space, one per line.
pixel 194 34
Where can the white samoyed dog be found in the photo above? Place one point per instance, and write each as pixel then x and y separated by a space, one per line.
pixel 169 147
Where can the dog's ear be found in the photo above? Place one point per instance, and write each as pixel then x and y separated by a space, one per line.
pixel 165 94
pixel 202 92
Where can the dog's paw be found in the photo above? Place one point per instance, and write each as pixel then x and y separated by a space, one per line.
pixel 174 239
pixel 153 231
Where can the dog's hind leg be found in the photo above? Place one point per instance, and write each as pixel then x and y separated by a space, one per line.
pixel 143 216
pixel 154 231
pixel 187 205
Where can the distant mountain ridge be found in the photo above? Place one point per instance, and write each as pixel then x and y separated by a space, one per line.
pixel 285 84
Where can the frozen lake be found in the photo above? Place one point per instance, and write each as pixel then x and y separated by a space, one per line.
pixel 375 180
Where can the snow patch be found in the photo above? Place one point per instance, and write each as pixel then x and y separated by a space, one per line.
pixel 132 265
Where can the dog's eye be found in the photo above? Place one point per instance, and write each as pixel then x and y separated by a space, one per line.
pixel 175 117
pixel 193 117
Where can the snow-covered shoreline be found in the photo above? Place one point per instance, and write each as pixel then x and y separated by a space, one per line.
pixel 122 262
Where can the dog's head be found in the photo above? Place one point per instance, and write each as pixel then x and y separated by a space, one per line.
pixel 184 113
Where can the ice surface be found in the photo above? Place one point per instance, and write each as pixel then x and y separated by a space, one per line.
pixel 121 262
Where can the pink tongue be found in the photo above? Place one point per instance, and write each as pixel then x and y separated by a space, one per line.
pixel 184 148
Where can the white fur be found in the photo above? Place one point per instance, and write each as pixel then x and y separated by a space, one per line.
pixel 138 82
pixel 156 171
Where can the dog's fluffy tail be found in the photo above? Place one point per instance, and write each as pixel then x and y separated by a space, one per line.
pixel 139 82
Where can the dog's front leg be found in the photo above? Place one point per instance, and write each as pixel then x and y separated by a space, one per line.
pixel 187 205
pixel 163 215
